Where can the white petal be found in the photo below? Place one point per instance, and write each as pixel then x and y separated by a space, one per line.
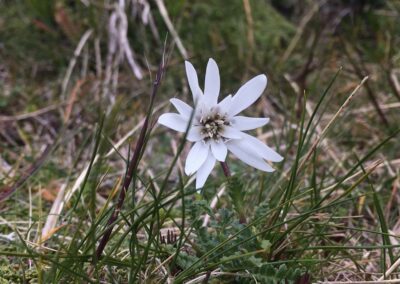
pixel 219 150
pixel 225 104
pixel 193 81
pixel 174 121
pixel 183 108
pixel 205 170
pixel 248 123
pixel 248 94
pixel 263 150
pixel 212 83
pixel 230 132
pixel 194 134
pixel 241 149
pixel 201 107
pixel 196 157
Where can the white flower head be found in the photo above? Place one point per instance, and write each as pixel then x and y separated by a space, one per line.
pixel 216 127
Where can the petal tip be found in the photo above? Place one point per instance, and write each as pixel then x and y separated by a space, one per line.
pixel 263 78
pixel 277 158
pixel 189 66
pixel 161 118
pixel 212 63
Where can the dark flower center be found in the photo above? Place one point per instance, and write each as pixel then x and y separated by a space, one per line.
pixel 213 125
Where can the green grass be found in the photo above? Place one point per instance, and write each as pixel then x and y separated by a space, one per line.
pixel 329 211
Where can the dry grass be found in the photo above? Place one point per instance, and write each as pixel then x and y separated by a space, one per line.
pixel 56 191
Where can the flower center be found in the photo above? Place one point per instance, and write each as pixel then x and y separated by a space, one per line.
pixel 213 125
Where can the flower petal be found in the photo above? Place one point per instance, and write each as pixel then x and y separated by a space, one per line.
pixel 225 104
pixel 194 134
pixel 263 150
pixel 174 121
pixel 248 123
pixel 183 108
pixel 230 132
pixel 196 157
pixel 193 81
pixel 201 107
pixel 241 149
pixel 219 150
pixel 212 83
pixel 204 171
pixel 248 94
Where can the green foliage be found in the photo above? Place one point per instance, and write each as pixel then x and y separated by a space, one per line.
pixel 25 44
pixel 236 191
pixel 277 275
pixel 224 34
pixel 10 275
pixel 185 260
pixel 43 9
pixel 270 227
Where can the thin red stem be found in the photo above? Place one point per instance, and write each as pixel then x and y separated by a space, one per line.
pixel 132 168
pixel 225 168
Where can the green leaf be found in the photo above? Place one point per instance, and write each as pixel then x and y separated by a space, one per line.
pixel 236 193
pixel 266 245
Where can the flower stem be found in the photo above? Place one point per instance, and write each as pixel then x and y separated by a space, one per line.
pixel 225 168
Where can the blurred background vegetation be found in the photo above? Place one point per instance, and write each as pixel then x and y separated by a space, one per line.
pixel 298 44
pixel 65 62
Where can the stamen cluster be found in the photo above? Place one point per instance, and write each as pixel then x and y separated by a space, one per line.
pixel 212 126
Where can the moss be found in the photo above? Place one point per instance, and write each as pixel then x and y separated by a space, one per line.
pixel 29 44
pixel 11 274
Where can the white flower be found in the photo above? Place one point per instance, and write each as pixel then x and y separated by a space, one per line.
pixel 216 127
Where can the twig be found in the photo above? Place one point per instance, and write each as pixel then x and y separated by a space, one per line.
pixel 118 47
pixel 361 282
pixel 170 26
pixel 6 191
pixel 207 277
pixel 213 203
pixel 72 99
pixel 99 64
pixel 359 73
pixel 31 114
pixel 73 60
pixel 390 270
pixel 394 84
pixel 325 143
pixel 250 32
pixel 123 39
pixel 55 212
pixel 300 30
pixel 214 274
